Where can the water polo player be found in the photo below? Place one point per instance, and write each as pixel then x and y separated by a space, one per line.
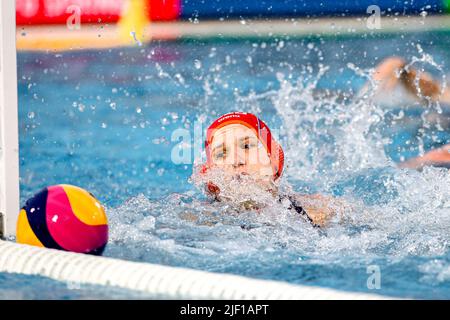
pixel 437 158
pixel 244 162
pixel 394 73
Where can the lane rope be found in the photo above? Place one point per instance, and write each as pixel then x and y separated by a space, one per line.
pixel 160 282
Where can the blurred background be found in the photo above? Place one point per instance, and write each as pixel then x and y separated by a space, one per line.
pixel 52 11
pixel 109 23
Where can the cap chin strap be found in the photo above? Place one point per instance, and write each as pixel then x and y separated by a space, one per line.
pixel 259 127
pixel 259 133
pixel 277 173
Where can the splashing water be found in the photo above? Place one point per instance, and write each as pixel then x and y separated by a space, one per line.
pixel 336 144
pixel 333 145
pixel 135 38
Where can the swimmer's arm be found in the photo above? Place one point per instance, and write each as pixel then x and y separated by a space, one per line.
pixel 195 218
pixel 319 208
pixel 188 216
pixel 438 157
pixel 429 88
pixel 392 72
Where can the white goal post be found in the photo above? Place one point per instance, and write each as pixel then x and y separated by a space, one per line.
pixel 9 144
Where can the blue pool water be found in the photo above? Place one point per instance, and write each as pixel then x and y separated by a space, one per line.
pixel 104 120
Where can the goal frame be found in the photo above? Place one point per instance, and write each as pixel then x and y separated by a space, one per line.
pixel 9 136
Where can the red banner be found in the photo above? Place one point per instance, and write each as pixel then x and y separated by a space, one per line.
pixel 90 11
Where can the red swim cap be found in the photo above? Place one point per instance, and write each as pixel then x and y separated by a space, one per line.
pixel 262 131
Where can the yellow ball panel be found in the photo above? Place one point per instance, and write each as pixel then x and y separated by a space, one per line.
pixel 24 233
pixel 85 207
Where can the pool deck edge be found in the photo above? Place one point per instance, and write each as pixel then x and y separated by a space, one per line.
pixel 101 36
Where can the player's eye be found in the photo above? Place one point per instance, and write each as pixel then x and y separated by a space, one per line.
pixel 248 145
pixel 220 154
